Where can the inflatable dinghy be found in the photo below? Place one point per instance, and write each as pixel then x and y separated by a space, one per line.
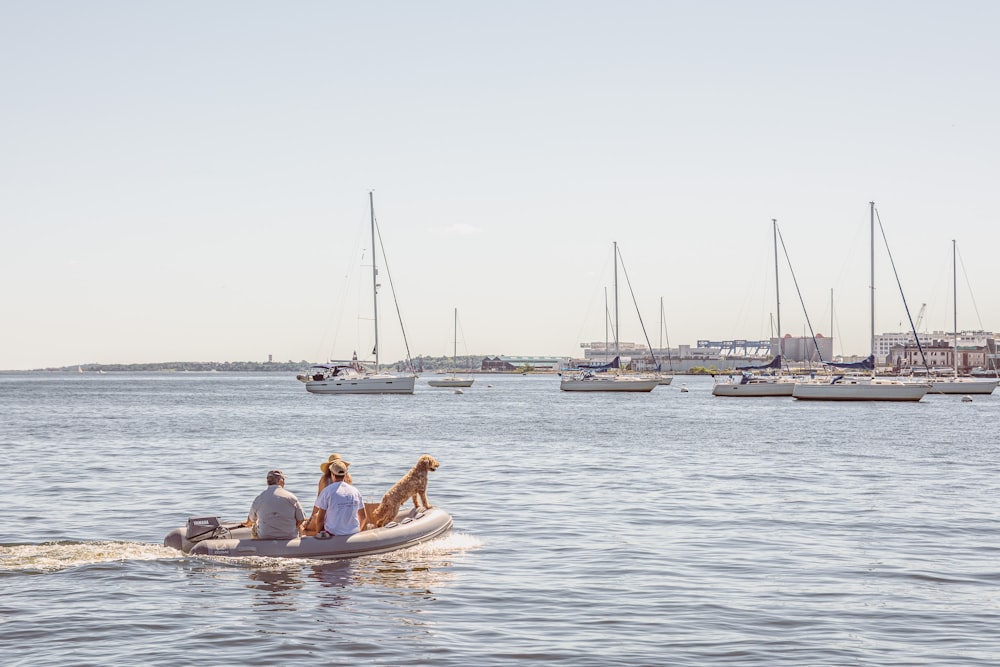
pixel 206 536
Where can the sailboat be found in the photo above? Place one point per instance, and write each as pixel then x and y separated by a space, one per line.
pixel 354 377
pixel 843 388
pixel 749 382
pixel 452 380
pixel 668 378
pixel 957 384
pixel 607 377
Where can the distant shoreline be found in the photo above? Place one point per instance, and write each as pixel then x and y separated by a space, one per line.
pixel 431 366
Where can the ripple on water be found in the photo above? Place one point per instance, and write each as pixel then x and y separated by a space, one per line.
pixel 665 529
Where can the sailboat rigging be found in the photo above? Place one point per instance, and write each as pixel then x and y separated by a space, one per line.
pixel 599 379
pixel 873 388
pixel 668 378
pixel 353 377
pixel 957 384
pixel 751 382
pixel 452 380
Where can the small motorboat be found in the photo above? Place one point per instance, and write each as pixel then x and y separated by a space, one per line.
pixel 207 536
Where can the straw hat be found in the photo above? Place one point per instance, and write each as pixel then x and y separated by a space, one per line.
pixel 336 465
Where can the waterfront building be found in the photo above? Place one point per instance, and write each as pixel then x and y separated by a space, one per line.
pixel 976 350
pixel 802 349
pixel 884 342
pixel 505 364
pixel 601 351
pixel 738 347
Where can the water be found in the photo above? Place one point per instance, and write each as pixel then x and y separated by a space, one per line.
pixel 646 529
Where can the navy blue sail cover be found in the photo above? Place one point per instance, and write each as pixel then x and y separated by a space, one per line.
pixel 774 363
pixel 614 363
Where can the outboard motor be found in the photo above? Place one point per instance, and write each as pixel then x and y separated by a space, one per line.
pixel 205 528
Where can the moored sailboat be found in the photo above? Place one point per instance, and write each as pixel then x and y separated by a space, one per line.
pixel 750 383
pixel 452 380
pixel 353 377
pixel 957 384
pixel 873 388
pixel 665 378
pixel 608 377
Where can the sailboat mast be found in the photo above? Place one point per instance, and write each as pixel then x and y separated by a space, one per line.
pixel 606 315
pixel 871 283
pixel 454 350
pixel 777 292
pixel 663 328
pixel 954 303
pixel 371 207
pixel 617 351
pixel 661 323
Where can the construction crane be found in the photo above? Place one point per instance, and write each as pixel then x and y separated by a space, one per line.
pixel 920 316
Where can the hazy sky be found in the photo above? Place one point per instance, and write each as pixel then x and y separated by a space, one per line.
pixel 189 180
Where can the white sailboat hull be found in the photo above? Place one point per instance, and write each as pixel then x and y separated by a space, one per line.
pixel 608 384
pixel 753 389
pixel 860 390
pixel 963 385
pixel 367 384
pixel 451 382
pixel 666 379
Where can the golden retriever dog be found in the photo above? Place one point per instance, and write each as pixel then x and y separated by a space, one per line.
pixel 412 485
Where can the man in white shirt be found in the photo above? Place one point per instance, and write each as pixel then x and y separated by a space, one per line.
pixel 340 509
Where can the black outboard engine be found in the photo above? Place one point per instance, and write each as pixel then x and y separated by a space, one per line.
pixel 198 529
pixel 205 528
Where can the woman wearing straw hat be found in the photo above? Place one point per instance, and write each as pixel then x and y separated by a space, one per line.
pixel 310 527
pixel 339 509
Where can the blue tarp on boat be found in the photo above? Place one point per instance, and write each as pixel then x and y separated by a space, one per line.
pixel 774 363
pixel 614 363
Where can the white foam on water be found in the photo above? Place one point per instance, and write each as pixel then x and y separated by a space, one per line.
pixel 446 545
pixel 55 556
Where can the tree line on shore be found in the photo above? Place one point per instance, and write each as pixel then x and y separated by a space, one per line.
pixel 425 363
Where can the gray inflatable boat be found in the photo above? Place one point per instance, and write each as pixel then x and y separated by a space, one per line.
pixel 206 536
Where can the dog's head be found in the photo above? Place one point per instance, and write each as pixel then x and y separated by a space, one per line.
pixel 427 462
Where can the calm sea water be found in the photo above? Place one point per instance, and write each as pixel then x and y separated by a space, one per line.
pixel 667 528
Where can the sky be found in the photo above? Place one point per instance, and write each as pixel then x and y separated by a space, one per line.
pixel 189 181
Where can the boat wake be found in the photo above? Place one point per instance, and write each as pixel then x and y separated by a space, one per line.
pixel 444 546
pixel 56 556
